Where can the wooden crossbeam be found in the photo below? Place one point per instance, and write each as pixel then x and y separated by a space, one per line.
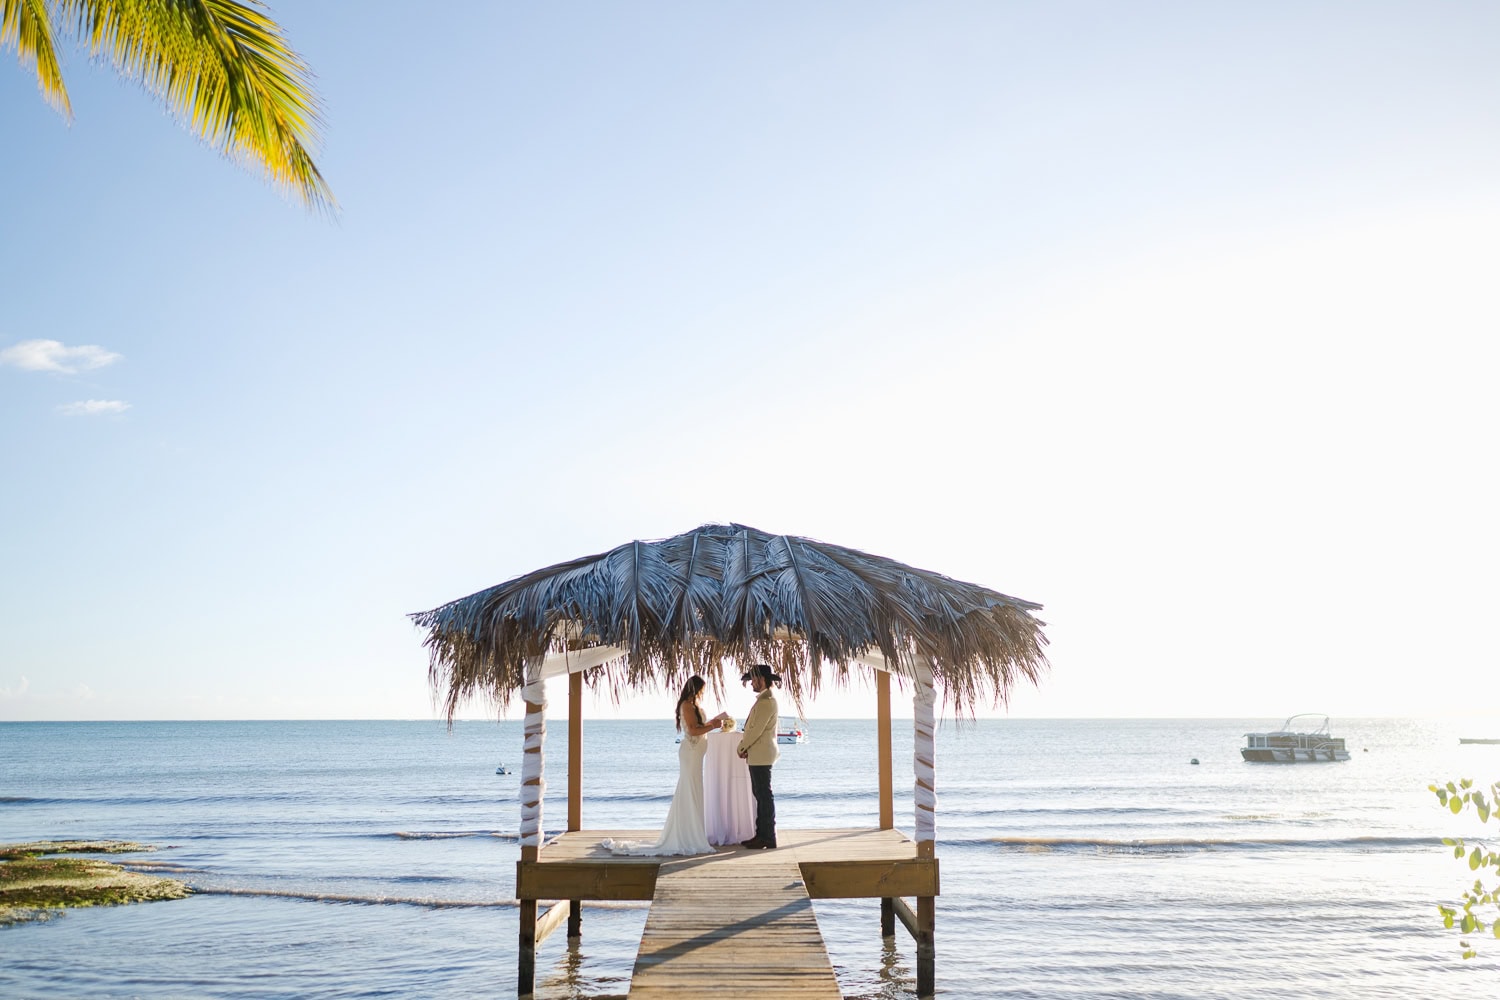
pixel 906 916
pixel 549 921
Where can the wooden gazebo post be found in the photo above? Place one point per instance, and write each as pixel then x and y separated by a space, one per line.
pixel 925 793
pixel 887 790
pixel 575 785
pixel 922 923
pixel 533 785
pixel 535 928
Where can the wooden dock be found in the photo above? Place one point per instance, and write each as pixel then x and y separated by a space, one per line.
pixel 736 923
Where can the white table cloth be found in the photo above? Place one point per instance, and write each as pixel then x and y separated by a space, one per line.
pixel 728 806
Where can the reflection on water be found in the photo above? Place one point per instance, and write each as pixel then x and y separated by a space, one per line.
pixel 597 966
pixel 575 977
pixel 896 979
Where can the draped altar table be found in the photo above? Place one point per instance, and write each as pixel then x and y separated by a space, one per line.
pixel 728 806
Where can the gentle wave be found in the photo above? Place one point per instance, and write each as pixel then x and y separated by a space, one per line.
pixel 169 800
pixel 435 904
pixel 448 834
pixel 335 897
pixel 816 795
pixel 1186 844
pixel 159 867
pixel 1089 810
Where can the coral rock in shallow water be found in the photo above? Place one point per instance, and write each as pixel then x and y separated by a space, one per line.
pixel 34 883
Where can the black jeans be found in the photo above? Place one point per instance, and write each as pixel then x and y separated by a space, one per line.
pixel 765 803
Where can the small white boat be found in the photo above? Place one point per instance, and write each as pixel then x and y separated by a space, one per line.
pixel 1291 744
pixel 502 769
pixel 789 729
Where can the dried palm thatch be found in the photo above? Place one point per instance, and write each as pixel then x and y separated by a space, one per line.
pixel 685 604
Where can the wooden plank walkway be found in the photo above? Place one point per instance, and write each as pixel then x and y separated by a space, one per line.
pixel 737 923
pixel 734 924
pixel 816 846
pixel 837 864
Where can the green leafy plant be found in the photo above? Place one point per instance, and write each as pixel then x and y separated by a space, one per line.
pixel 1457 798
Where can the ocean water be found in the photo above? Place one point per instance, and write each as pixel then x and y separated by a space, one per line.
pixel 1080 858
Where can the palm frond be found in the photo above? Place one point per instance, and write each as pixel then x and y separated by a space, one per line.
pixel 25 24
pixel 223 66
pixel 685 604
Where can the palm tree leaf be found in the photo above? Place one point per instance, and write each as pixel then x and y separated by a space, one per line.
pixel 225 67
pixel 25 24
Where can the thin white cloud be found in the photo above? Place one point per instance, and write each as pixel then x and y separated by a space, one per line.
pixel 55 356
pixel 93 407
pixel 14 693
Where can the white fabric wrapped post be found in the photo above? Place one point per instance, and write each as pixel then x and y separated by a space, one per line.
pixel 533 784
pixel 925 793
pixel 533 780
pixel 924 755
pixel 532 787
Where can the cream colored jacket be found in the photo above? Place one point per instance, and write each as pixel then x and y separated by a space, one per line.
pixel 760 731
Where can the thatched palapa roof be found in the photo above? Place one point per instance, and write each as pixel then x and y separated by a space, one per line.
pixel 653 613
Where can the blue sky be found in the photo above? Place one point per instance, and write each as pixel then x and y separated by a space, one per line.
pixel 1176 318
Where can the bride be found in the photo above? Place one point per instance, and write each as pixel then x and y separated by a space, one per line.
pixel 684 831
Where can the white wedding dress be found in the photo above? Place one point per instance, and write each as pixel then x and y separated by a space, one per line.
pixel 684 831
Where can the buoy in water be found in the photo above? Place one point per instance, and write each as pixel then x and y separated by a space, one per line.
pixel 1193 761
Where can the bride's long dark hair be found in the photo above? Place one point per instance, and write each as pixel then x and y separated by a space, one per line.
pixel 689 697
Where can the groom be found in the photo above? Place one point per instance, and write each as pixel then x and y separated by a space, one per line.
pixel 758 749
